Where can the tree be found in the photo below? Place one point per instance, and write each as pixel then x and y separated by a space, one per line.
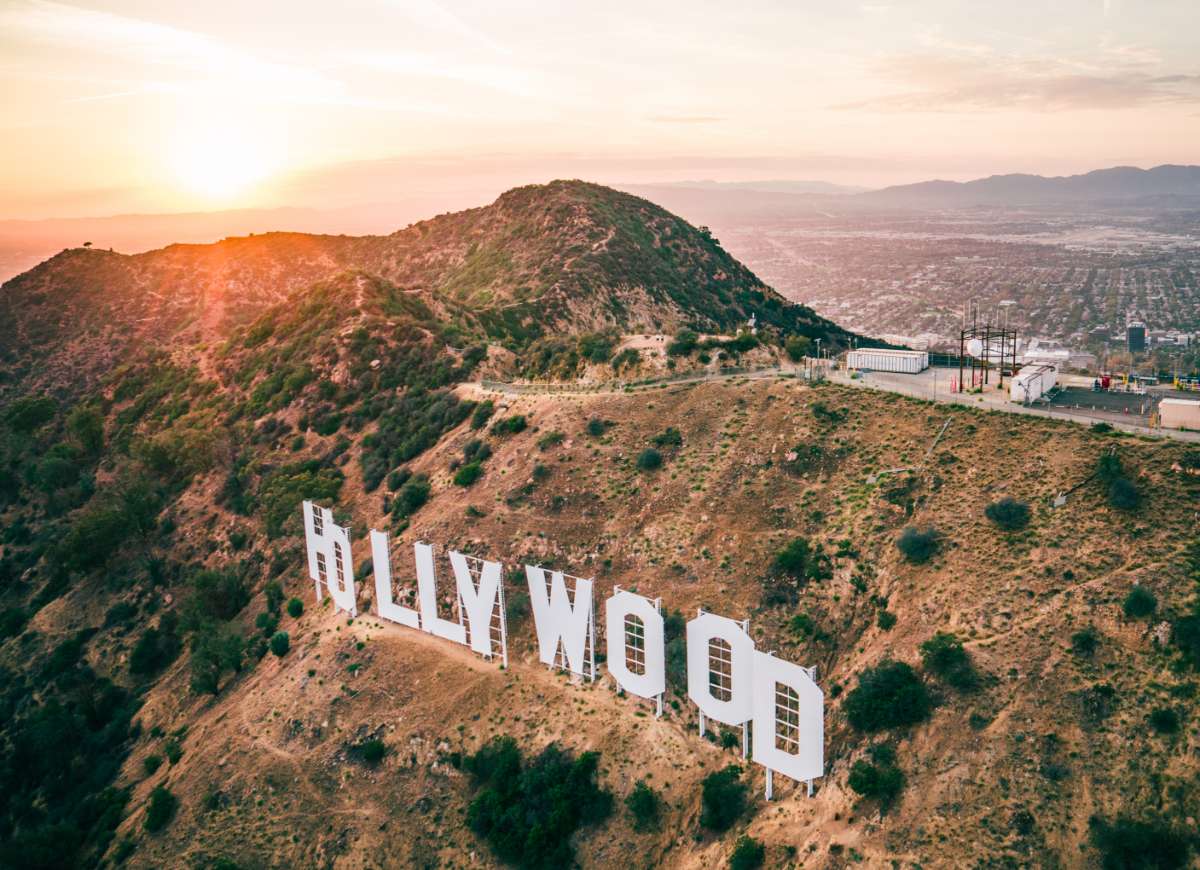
pixel 215 650
pixel 30 412
pixel 468 474
pixel 918 545
pixel 160 810
pixel 644 805
pixel 274 595
pixel 280 644
pixel 683 344
pixel 1128 843
pixel 944 655
pixel 156 648
pixel 295 608
pixel 878 777
pixel 649 459
pixel 87 425
pixel 483 411
pixel 1085 641
pixel 723 798
pixel 1008 513
pixel 527 811
pixel 216 595
pixel 1123 495
pixel 748 854
pixel 803 562
pixel 796 347
pixel 411 497
pixel 889 695
pixel 1140 602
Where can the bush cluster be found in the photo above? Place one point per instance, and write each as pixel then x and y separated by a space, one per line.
pixel 918 545
pixel 528 810
pixel 878 777
pixel 889 695
pixel 1008 513
pixel 944 655
pixel 722 798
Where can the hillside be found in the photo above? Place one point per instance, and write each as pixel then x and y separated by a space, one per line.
pixel 151 545
pixel 567 257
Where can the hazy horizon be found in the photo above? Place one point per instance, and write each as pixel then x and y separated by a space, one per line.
pixel 182 108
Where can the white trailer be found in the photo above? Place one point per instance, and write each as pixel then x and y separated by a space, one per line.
pixel 1032 382
pixel 877 360
pixel 1179 414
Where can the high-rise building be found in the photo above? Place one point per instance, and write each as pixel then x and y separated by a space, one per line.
pixel 1135 336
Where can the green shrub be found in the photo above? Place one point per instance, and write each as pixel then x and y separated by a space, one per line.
pixel 748 854
pixel 1185 634
pixel 280 643
pixel 215 650
pixel 528 811
pixel 468 474
pixel 879 777
pixel 1164 720
pixel 160 810
pixel 295 608
pixel 482 413
pixel 918 545
pixel 796 347
pixel 266 622
pixel 551 439
pixel 371 751
pixel 722 798
pixel 510 425
pixel 476 450
pixel 156 648
pixel 1008 513
pixel 215 595
pixel 283 490
pixel 596 427
pixel 649 459
pixel 889 695
pixel 1085 641
pixel 803 562
pixel 683 343
pixel 885 619
pixel 29 413
pixel 669 437
pixel 151 763
pixel 1139 603
pixel 944 655
pixel 644 806
pixel 173 750
pixel 1123 495
pixel 411 497
pixel 1128 843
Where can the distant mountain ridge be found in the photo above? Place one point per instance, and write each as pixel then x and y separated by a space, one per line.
pixel 1119 183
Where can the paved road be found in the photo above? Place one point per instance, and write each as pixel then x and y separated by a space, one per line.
pixel 931 385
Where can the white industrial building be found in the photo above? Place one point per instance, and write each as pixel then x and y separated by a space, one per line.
pixel 1032 382
pixel 1179 414
pixel 876 360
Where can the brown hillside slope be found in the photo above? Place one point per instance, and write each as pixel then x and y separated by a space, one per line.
pixel 563 258
pixel 1008 775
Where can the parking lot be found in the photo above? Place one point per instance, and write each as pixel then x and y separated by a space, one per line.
pixel 1128 407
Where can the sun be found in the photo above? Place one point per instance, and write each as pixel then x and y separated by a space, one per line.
pixel 219 163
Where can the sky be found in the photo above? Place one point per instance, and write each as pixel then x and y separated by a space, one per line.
pixel 161 106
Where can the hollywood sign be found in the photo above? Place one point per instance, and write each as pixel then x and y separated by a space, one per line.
pixel 728 680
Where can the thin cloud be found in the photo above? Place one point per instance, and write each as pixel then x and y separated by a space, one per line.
pixel 181 59
pixel 686 119
pixel 940 83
